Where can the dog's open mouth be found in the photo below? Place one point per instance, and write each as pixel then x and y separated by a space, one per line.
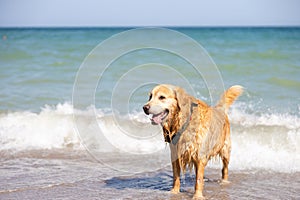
pixel 159 118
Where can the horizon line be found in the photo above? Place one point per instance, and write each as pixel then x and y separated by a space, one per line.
pixel 146 26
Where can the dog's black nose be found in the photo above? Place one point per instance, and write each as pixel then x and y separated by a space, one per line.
pixel 146 109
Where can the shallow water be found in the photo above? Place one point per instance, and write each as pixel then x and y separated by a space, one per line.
pixel 70 175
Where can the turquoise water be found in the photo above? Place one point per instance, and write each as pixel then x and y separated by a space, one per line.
pixel 38 66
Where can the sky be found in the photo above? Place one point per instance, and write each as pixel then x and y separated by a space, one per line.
pixel 73 13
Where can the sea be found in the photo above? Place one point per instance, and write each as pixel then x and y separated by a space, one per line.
pixel 72 124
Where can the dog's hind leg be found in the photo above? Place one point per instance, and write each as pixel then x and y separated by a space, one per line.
pixel 225 155
pixel 225 152
pixel 225 169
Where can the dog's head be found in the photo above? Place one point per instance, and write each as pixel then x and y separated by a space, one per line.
pixel 165 101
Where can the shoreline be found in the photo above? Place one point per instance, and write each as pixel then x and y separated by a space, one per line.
pixel 81 178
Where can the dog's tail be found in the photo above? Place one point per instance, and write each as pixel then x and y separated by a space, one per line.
pixel 230 96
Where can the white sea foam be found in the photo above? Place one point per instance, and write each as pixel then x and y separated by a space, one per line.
pixel 239 116
pixel 265 141
pixel 51 128
pixel 270 142
pixel 278 152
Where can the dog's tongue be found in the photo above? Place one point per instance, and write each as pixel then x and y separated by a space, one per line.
pixel 157 119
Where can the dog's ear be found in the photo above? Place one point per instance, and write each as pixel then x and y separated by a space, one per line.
pixel 184 102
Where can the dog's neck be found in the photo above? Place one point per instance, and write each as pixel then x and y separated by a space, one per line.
pixel 170 128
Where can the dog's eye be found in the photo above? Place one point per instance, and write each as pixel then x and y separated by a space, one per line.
pixel 150 97
pixel 162 97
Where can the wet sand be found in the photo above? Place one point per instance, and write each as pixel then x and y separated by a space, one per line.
pixel 77 176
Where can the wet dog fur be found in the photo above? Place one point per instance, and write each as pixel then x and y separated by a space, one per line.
pixel 195 131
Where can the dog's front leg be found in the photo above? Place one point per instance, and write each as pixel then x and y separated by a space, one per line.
pixel 176 176
pixel 199 170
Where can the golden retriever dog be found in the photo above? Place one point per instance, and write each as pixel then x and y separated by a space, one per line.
pixel 195 131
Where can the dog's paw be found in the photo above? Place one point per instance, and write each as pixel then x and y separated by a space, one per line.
pixel 175 191
pixel 224 182
pixel 198 196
